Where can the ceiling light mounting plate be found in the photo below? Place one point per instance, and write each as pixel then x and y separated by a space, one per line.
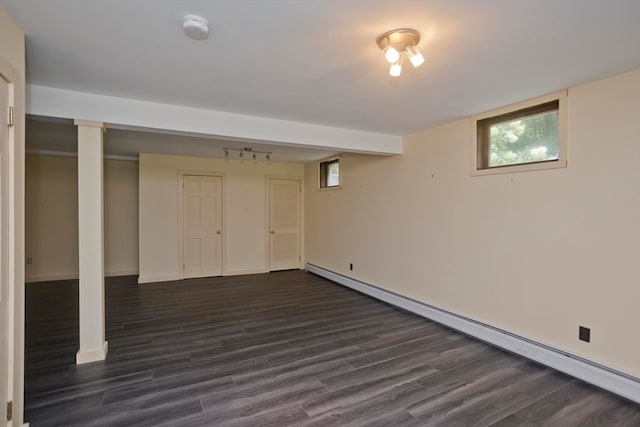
pixel 399 39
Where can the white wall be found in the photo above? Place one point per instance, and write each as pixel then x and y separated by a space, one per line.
pixel 244 212
pixel 52 217
pixel 120 217
pixel 535 253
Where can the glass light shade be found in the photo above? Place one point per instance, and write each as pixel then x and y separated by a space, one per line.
pixel 395 69
pixel 415 57
pixel 391 54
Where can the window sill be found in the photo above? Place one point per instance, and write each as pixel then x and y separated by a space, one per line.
pixel 337 187
pixel 527 167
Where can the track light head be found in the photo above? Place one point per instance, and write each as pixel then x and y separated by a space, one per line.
pixel 391 54
pixel 396 69
pixel 415 57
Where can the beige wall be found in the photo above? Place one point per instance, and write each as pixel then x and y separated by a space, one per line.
pixel 12 46
pixel 534 253
pixel 52 217
pixel 244 212
pixel 121 217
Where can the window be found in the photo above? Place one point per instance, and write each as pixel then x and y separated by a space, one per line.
pixel 330 173
pixel 523 137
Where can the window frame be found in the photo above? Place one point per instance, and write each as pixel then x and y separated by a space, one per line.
pixel 479 146
pixel 326 162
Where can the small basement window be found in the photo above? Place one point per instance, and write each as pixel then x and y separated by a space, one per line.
pixel 523 137
pixel 330 173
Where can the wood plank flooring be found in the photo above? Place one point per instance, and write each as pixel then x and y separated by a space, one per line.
pixel 283 349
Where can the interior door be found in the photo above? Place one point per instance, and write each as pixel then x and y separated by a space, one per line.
pixel 284 224
pixel 4 247
pixel 202 231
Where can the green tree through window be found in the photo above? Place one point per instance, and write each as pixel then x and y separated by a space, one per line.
pixel 525 140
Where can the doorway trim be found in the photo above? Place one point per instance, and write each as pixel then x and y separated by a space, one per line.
pixel 267 192
pixel 196 172
pixel 16 288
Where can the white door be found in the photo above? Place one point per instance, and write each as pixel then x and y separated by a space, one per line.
pixel 4 247
pixel 284 224
pixel 202 226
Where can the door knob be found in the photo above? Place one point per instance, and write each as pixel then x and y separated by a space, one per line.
pixel 273 232
pixel 219 232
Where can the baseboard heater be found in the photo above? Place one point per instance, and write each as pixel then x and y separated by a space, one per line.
pixel 599 375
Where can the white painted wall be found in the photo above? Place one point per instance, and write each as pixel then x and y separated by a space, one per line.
pixel 12 67
pixel 534 253
pixel 244 212
pixel 52 217
pixel 121 217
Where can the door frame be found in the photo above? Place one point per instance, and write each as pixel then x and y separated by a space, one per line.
pixel 15 273
pixel 195 172
pixel 5 291
pixel 267 219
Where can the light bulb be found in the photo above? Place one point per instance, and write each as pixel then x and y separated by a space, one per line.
pixel 391 54
pixel 395 69
pixel 415 57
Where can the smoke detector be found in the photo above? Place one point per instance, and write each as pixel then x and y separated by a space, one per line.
pixel 195 27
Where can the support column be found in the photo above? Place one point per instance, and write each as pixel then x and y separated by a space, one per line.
pixel 93 346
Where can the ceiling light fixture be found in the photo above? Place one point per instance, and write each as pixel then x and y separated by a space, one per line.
pixel 195 27
pixel 394 42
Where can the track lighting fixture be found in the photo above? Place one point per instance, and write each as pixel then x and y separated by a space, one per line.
pixel 394 42
pixel 228 153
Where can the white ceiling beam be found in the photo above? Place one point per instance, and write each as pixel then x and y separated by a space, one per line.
pixel 124 113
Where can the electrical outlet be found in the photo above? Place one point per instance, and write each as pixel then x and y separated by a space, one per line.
pixel 584 334
pixel 351 267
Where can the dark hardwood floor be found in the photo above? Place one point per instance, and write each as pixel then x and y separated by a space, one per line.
pixel 283 349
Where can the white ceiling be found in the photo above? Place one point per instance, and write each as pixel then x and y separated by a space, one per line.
pixel 316 61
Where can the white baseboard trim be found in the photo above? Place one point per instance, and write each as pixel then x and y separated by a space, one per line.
pixel 152 279
pixel 121 273
pixel 244 272
pixel 83 357
pixel 601 376
pixel 50 278
pixel 54 277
